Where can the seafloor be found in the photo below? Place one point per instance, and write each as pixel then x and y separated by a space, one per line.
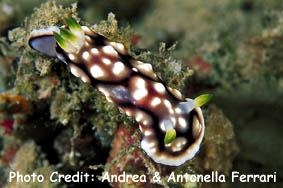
pixel 51 121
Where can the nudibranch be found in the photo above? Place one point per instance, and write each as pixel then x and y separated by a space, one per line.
pixel 172 127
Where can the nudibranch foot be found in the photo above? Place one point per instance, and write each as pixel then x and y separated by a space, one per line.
pixel 172 127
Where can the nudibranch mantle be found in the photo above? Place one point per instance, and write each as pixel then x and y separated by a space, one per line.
pixel 132 86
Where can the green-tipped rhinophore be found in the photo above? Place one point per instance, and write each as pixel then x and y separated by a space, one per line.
pixel 169 136
pixel 67 34
pixel 72 39
pixel 202 99
pixel 64 44
pixel 73 25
